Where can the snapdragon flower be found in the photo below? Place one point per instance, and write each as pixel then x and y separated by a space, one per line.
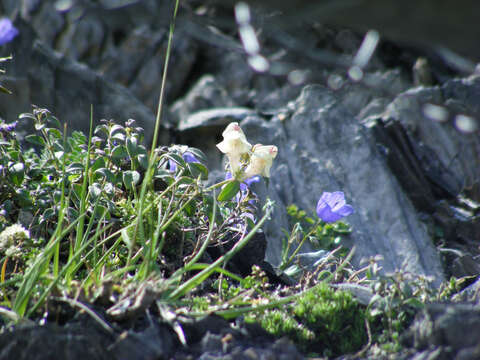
pixel 234 145
pixel 261 160
pixel 332 207
pixel 7 31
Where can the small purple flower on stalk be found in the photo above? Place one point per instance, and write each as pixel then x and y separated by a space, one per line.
pixel 332 207
pixel 187 156
pixel 7 31
pixel 7 128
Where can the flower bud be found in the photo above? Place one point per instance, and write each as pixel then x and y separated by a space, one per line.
pixel 234 145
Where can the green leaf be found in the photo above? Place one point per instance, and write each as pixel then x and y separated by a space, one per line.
pixel 197 169
pixel 132 146
pixel 17 173
pixel 95 190
pixel 106 173
pixel 250 223
pixel 27 116
pixel 126 238
pixel 120 137
pixel 98 164
pixel 116 128
pixel 99 210
pixel 23 197
pixel 59 154
pixel 143 161
pixel 177 159
pixel 164 175
pixel 131 178
pixel 198 154
pixel 39 126
pixel 35 139
pixel 101 129
pixel 229 191
pixel 72 213
pixel 75 168
pixel 47 214
pixel 5 90
pixel 190 209
pixel 414 302
pixel 52 120
pixel 54 132
pixel 77 190
pixel 119 152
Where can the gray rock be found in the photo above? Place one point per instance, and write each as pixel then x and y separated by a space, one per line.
pixel 363 294
pixel 123 62
pixel 125 40
pixel 452 328
pixel 81 39
pixel 147 80
pixel 205 94
pixel 46 14
pixel 456 150
pixel 67 88
pixel 422 22
pixel 323 147
pixel 214 117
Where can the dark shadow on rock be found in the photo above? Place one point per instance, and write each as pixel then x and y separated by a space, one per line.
pixel 45 78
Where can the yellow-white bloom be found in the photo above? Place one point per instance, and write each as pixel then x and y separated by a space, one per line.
pixel 12 235
pixel 261 160
pixel 234 145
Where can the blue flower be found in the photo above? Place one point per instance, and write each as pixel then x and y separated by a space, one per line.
pixel 7 128
pixel 7 31
pixel 187 156
pixel 332 207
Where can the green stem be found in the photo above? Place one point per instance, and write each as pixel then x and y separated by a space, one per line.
pixel 204 274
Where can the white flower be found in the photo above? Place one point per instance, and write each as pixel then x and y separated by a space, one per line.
pixel 12 235
pixel 234 145
pixel 261 160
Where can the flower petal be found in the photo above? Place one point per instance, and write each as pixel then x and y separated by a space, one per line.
pixel 251 180
pixel 261 160
pixel 332 207
pixel 7 31
pixel 336 200
pixel 326 214
pixel 189 157
pixel 345 210
pixel 172 165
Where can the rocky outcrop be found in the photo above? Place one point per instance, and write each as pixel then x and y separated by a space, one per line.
pixel 445 331
pixel 48 79
pixel 323 147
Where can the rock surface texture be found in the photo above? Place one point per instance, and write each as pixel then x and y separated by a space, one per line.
pixel 324 147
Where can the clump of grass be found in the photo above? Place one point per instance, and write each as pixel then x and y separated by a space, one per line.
pixel 82 197
pixel 101 208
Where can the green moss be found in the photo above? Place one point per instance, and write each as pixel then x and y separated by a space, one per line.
pixel 323 321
